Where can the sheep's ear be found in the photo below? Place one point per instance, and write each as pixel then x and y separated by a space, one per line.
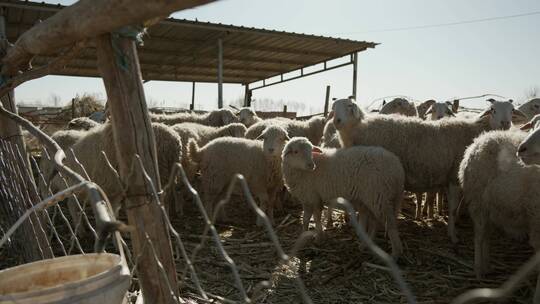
pixel 450 112
pixel 355 111
pixel 510 100
pixel 384 102
pixel 330 115
pixel 487 112
pixel 517 113
pixel 491 100
pixel 449 103
pixel 316 149
pixel 526 126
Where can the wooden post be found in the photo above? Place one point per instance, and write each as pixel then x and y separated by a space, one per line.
pixel 247 96
pixel 120 69
pixel 326 101
pixel 192 105
pixel 220 73
pixel 284 109
pixel 72 108
pixel 355 74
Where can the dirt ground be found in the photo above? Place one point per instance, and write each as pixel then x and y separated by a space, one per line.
pixel 336 270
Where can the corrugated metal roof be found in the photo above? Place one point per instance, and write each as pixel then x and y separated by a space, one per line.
pixel 185 50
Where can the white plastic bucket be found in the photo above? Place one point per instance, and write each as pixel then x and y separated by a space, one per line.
pixel 90 278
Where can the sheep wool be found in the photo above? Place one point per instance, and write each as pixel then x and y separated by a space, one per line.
pixel 216 118
pixel 312 128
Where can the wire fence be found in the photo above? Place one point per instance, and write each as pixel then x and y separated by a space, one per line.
pixel 69 230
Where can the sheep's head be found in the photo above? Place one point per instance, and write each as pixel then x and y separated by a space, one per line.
pixel 529 149
pixel 81 123
pixel 345 113
pixel 440 110
pixel 298 153
pixel 274 139
pixel 533 106
pixel 500 114
pixel 228 116
pixel 237 130
pixel 398 106
pixel 247 116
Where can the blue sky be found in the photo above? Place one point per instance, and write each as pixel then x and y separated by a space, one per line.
pixel 463 60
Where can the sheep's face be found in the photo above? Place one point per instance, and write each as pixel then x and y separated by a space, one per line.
pixel 345 113
pixel 501 113
pixel 440 110
pixel 529 149
pixel 247 116
pixel 274 139
pixel 298 153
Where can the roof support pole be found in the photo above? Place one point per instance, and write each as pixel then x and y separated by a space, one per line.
pixel 327 101
pixel 220 73
pixel 33 238
pixel 192 105
pixel 355 73
pixel 247 96
pixel 133 135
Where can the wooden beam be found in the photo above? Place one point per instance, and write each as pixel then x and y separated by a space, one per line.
pixel 326 100
pixel 220 74
pixel 133 135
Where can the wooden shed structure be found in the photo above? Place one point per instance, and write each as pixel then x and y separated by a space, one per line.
pixel 193 51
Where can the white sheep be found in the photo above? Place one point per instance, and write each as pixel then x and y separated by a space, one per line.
pixel 81 123
pixel 440 110
pixel 248 117
pixel 330 138
pixel 500 192
pixel 88 151
pixel 202 134
pixel 215 118
pixel 399 106
pixel 371 178
pixel 259 162
pixel 312 128
pixel 429 151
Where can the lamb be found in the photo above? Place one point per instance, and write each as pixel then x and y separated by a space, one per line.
pixel 248 117
pixel 399 106
pixel 440 110
pixel 202 134
pixel 259 162
pixel 371 178
pixel 81 123
pixel 431 164
pixel 500 191
pixel 312 128
pixel 216 118
pixel 330 138
pixel 88 149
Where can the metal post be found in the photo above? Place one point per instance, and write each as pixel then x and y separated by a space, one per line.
pixel 355 74
pixel 192 105
pixel 220 73
pixel 247 95
pixel 326 100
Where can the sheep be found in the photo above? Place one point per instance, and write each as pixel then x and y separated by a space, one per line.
pixel 248 117
pixel 202 135
pixel 423 107
pixel 530 108
pixel 88 149
pixel 330 138
pixel 81 123
pixel 216 118
pixel 259 162
pixel 371 178
pixel 431 164
pixel 399 106
pixel 529 148
pixel 440 110
pixel 312 128
pixel 500 191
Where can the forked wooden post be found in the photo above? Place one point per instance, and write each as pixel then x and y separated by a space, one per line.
pixel 120 69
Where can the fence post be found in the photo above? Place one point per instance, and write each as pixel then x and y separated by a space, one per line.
pixel 326 100
pixel 119 67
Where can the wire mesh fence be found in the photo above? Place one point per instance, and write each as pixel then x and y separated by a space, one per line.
pixel 244 263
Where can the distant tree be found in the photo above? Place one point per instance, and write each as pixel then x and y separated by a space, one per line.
pixel 54 100
pixel 532 92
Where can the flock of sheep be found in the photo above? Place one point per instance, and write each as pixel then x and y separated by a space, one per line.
pixel 481 163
